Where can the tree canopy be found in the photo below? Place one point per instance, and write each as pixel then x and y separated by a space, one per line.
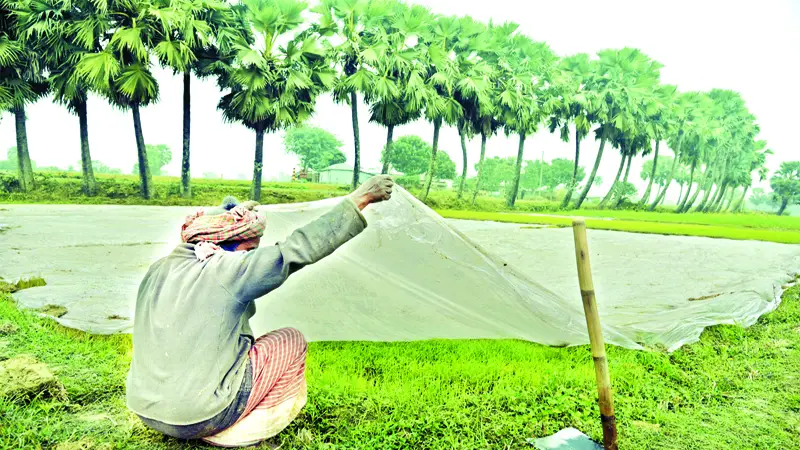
pixel 549 175
pixel 274 58
pixel 786 184
pixel 158 156
pixel 411 154
pixel 316 148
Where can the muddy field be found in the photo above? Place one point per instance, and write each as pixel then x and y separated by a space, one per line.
pixel 93 258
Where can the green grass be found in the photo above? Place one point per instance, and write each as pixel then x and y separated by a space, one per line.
pixel 124 190
pixel 725 231
pixel 747 220
pixel 22 283
pixel 735 389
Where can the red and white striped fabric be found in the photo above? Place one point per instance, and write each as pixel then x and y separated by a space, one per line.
pixel 278 360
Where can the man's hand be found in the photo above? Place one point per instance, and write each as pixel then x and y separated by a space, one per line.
pixel 376 189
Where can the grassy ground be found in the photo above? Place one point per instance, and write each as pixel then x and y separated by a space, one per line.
pixel 735 389
pixel 124 190
pixel 727 226
pixel 747 220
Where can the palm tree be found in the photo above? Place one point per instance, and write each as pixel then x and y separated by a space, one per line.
pixel 121 69
pixel 658 123
pixel 349 19
pixel 692 124
pixel 62 32
pixel 525 99
pixel 629 145
pixel 758 161
pixel 485 119
pixel 573 70
pixel 785 184
pixel 622 82
pixel 473 89
pixel 392 102
pixel 22 82
pixel 636 146
pixel 195 37
pixel 270 87
pixel 441 77
pixel 135 86
pixel 737 130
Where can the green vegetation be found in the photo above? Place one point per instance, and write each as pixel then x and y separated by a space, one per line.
pixel 726 229
pixel 274 58
pixel 411 156
pixel 736 388
pixel 124 190
pixel 786 184
pixel 158 156
pixel 316 148
pixel 22 283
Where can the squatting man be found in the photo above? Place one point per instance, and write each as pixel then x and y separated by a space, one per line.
pixel 197 370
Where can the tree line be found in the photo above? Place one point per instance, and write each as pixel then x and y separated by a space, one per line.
pixel 404 61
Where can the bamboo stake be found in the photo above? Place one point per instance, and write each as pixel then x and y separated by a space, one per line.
pixel 607 417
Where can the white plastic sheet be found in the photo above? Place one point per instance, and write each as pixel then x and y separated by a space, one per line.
pixel 412 275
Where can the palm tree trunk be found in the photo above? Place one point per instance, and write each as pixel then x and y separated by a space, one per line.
pixel 720 195
pixel 387 156
pixel 706 196
pixel 23 157
pixel 258 166
pixel 141 151
pixel 701 186
pixel 356 139
pixel 89 183
pixel 740 204
pixel 437 126
pixel 512 195
pixel 613 187
pixel 727 199
pixel 464 169
pixel 659 190
pixel 186 187
pixel 574 183
pixel 675 160
pixel 784 203
pixel 480 168
pixel 585 192
pixel 711 199
pixel 620 198
pixel 646 196
pixel 688 189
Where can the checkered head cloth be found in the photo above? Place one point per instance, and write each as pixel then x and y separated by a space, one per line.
pixel 238 224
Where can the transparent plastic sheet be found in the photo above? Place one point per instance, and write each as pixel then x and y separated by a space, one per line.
pixel 413 275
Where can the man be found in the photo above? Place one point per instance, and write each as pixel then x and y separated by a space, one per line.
pixel 197 371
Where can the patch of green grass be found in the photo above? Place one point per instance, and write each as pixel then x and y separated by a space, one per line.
pixel 22 283
pixel 735 389
pixel 746 220
pixel 635 226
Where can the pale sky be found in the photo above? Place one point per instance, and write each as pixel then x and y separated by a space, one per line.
pixel 751 47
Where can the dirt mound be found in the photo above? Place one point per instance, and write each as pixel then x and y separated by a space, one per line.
pixel 8 328
pixel 23 378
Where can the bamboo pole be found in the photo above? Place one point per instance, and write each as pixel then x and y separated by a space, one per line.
pixel 607 417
